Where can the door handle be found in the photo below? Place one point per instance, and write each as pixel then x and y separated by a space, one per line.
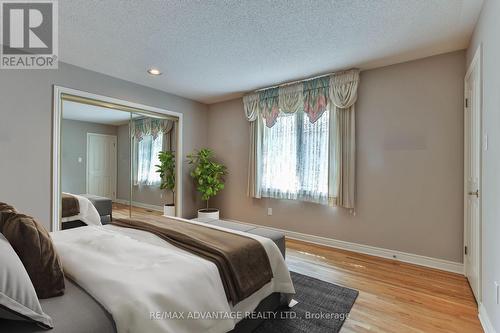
pixel 476 193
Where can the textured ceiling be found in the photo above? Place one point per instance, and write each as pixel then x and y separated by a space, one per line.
pixel 213 50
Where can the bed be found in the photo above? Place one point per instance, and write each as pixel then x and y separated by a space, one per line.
pixel 89 305
pixel 77 312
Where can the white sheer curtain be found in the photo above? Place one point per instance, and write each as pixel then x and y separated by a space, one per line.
pixel 313 164
pixel 279 159
pixel 147 150
pixel 295 158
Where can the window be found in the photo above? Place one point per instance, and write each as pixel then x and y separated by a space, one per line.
pixel 146 157
pixel 307 152
pixel 295 158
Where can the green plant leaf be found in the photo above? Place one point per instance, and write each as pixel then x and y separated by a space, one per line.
pixel 166 169
pixel 207 173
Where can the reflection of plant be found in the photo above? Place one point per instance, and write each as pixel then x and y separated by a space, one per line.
pixel 208 174
pixel 166 169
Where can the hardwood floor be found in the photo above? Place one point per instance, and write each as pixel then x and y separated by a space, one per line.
pixel 393 296
pixel 122 211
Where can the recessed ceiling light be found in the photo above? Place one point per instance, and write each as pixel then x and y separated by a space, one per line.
pixel 154 71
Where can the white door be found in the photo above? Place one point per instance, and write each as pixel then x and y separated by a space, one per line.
pixel 101 165
pixel 472 180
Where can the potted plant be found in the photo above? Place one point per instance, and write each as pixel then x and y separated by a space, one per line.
pixel 166 169
pixel 209 178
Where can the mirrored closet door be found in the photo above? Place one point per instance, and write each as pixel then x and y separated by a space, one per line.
pixel 115 162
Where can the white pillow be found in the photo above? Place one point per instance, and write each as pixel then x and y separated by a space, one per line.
pixel 18 299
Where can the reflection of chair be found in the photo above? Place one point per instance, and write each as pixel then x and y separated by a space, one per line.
pixel 103 205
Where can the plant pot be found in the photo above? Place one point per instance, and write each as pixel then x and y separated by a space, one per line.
pixel 169 210
pixel 208 213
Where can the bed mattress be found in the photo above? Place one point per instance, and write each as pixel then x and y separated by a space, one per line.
pixel 74 312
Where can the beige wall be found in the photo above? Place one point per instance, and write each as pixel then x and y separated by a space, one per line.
pixel 26 130
pixel 486 36
pixel 409 164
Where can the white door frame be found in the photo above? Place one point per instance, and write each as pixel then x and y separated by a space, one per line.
pixel 59 91
pixel 114 168
pixel 476 64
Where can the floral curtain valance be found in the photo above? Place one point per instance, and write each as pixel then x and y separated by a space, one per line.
pixel 344 89
pixel 316 97
pixel 150 126
pixel 311 96
pixel 269 105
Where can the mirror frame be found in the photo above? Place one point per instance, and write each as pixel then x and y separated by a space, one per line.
pixel 63 93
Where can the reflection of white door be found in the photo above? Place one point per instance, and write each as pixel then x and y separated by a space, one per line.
pixel 101 165
pixel 472 179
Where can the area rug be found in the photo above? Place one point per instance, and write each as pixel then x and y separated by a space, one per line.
pixel 322 307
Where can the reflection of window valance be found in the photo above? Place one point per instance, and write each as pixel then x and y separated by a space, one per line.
pixel 151 126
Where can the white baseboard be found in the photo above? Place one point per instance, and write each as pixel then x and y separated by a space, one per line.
pixel 485 320
pixel 140 204
pixel 445 265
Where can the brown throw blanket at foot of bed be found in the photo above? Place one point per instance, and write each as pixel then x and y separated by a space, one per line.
pixel 242 261
pixel 70 205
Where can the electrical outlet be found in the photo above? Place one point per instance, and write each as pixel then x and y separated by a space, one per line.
pixel 485 142
pixel 497 292
pixel 269 211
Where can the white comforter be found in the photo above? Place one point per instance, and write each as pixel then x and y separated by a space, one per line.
pixel 142 280
pixel 88 213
